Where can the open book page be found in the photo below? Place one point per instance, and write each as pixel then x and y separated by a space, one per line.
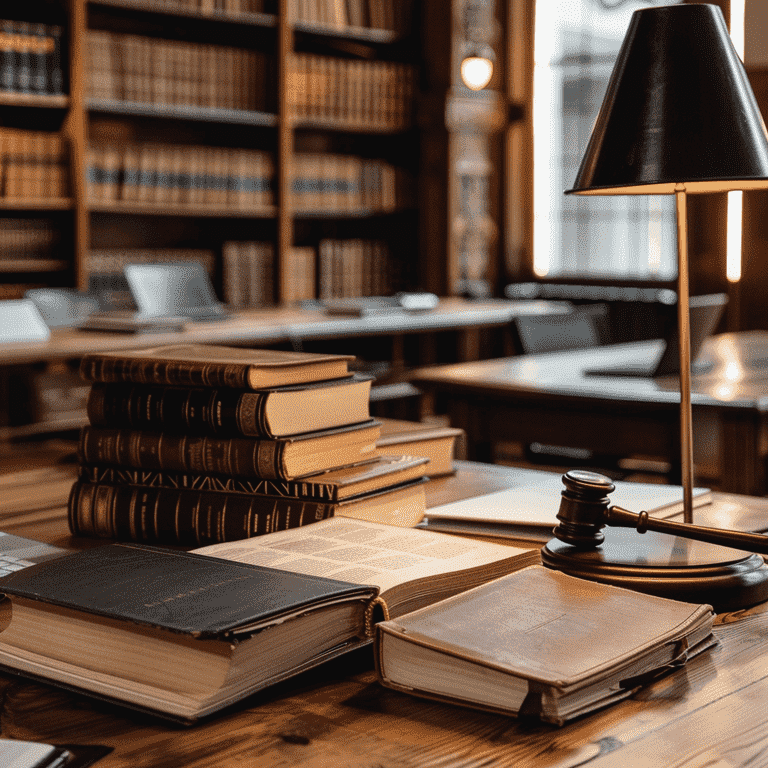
pixel 535 500
pixel 369 553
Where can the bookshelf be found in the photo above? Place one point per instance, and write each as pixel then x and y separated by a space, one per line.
pixel 223 125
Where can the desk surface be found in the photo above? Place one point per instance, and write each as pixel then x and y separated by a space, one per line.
pixel 736 374
pixel 710 713
pixel 268 326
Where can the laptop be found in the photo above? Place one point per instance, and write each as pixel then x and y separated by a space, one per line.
pixel 705 312
pixel 17 552
pixel 174 290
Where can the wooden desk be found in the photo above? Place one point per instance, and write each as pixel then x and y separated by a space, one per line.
pixel 549 399
pixel 278 325
pixel 710 713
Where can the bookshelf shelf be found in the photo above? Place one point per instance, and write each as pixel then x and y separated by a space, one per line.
pixel 347 127
pixel 33 265
pixel 42 101
pixel 36 204
pixel 362 34
pixel 150 7
pixel 182 112
pixel 197 211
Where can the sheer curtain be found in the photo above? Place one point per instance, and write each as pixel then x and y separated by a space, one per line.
pixel 624 237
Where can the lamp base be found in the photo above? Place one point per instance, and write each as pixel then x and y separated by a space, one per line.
pixel 666 566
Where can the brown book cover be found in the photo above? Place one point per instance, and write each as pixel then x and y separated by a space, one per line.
pixel 283 458
pixel 331 486
pixel 540 643
pixel 212 366
pixel 269 412
pixel 414 438
pixel 197 518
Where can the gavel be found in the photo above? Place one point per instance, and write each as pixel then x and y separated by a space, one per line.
pixel 585 510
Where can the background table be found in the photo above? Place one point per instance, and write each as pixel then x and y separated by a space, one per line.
pixel 712 712
pixel 550 399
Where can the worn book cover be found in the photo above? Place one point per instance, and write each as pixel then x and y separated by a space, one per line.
pixel 540 643
pixel 228 412
pixel 271 458
pixel 212 366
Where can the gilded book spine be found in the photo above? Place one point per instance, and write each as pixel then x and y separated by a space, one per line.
pixel 244 457
pixel 171 372
pixel 252 486
pixel 181 516
pixel 182 410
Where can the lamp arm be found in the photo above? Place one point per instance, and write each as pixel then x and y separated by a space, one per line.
pixel 623 518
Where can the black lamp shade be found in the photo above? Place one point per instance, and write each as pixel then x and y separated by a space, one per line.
pixel 679 112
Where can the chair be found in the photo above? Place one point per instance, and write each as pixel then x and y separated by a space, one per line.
pixel 586 326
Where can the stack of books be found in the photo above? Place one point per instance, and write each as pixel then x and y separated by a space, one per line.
pixel 194 444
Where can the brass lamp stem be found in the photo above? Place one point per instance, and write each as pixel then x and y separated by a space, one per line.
pixel 684 332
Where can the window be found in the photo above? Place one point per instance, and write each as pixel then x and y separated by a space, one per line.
pixel 624 237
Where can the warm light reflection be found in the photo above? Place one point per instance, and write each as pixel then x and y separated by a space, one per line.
pixel 476 72
pixel 736 25
pixel 725 391
pixel 734 371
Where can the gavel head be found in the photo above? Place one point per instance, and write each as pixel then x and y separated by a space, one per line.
pixel 583 507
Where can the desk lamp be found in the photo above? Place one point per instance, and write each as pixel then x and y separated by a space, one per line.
pixel 678 117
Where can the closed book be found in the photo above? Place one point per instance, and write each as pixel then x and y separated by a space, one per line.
pixel 196 518
pixel 185 634
pixel 540 643
pixel 332 486
pixel 268 412
pixel 211 366
pixel 437 443
pixel 283 458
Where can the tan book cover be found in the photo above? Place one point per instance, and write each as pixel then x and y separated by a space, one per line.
pixel 540 643
pixel 418 439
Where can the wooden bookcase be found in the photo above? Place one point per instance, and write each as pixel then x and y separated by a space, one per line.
pixel 200 128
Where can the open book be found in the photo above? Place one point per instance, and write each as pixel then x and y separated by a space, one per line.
pixel 540 643
pixel 528 510
pixel 184 634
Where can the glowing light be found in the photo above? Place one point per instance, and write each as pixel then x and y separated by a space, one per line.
pixel 735 199
pixel 476 72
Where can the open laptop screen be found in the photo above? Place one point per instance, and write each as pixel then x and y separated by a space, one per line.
pixel 173 289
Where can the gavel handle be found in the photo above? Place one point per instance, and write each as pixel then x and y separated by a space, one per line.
pixel 623 518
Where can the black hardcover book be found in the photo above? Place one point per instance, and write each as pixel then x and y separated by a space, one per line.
pixel 174 632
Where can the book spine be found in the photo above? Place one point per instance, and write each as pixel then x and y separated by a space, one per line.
pixel 244 457
pixel 224 412
pixel 170 372
pixel 251 486
pixel 181 516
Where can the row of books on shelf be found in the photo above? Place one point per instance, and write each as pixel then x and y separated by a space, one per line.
pixel 297 568
pixel 27 238
pixel 336 269
pixel 33 164
pixel 180 175
pixel 151 70
pixel 393 15
pixel 350 92
pixel 330 182
pixel 241 179
pixel 30 58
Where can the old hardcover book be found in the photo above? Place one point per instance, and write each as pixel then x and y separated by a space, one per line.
pixel 196 518
pixel 414 438
pixel 192 365
pixel 540 643
pixel 185 634
pixel 333 486
pixel 269 412
pixel 284 458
